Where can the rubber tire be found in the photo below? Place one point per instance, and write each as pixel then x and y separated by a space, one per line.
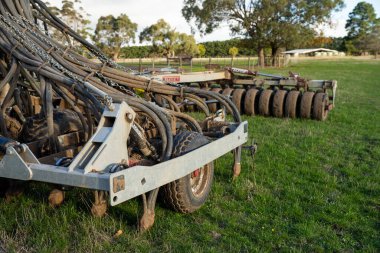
pixel 251 102
pixel 238 99
pixel 291 104
pixel 265 102
pixel 178 195
pixel 214 107
pixel 278 103
pixel 321 100
pixel 306 104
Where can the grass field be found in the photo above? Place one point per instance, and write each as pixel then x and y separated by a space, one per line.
pixel 313 187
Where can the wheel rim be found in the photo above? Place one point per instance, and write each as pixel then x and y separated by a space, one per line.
pixel 199 180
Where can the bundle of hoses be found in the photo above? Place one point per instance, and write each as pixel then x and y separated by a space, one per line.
pixel 32 62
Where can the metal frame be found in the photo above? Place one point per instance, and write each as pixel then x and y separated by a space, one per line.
pixel 108 146
pixel 233 74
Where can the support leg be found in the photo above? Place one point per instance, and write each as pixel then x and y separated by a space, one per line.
pixel 147 220
pixel 237 164
pixel 99 207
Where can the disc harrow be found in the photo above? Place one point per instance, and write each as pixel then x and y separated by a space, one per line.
pixel 74 122
pixel 255 93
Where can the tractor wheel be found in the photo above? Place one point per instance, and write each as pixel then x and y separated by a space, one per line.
pixel 264 102
pixel 250 103
pixel 238 98
pixel 214 106
pixel 278 103
pixel 189 193
pixel 321 101
pixel 291 104
pixel 306 104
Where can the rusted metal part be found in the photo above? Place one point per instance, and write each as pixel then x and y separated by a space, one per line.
pixel 99 207
pixel 118 184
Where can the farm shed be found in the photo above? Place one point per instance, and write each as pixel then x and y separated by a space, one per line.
pixel 313 52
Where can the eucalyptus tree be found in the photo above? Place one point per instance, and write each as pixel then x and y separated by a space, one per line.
pixel 268 23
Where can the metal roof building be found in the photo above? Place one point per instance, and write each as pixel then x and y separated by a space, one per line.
pixel 311 52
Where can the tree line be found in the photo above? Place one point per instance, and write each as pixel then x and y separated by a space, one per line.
pixel 263 27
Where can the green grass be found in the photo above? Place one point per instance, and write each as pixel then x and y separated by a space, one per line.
pixel 313 187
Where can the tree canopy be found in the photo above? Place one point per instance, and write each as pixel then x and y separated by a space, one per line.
pixel 112 33
pixel 268 23
pixel 73 14
pixel 362 20
pixel 167 41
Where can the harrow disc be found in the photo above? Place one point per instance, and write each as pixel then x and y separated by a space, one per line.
pixel 306 104
pixel 264 102
pixel 291 104
pixel 251 102
pixel 278 103
pixel 214 106
pixel 321 101
pixel 228 92
pixel 238 99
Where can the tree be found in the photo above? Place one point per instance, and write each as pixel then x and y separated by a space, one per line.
pixel 187 45
pixel 112 33
pixel 361 21
pixel 374 39
pixel 202 50
pixel 233 51
pixel 167 41
pixel 268 23
pixel 74 16
pixel 77 19
pixel 162 37
pixel 360 24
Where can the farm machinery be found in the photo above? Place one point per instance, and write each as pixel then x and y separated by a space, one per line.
pixel 72 122
pixel 256 93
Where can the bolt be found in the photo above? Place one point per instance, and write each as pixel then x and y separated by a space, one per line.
pixel 129 117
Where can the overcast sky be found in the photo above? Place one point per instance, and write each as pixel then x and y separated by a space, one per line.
pixel 147 12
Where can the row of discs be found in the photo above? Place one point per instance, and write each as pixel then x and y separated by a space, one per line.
pixel 277 103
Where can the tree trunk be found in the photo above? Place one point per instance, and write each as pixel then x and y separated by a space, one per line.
pixel 261 57
pixel 274 56
pixel 116 53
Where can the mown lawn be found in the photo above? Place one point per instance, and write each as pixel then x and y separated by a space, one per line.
pixel 313 187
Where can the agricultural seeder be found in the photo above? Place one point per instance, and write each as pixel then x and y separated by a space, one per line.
pixel 256 93
pixel 72 122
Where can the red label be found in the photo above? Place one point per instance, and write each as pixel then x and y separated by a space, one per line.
pixel 172 79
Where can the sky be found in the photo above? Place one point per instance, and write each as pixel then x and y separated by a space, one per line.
pixel 147 12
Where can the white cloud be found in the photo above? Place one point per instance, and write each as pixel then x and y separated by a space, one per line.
pixel 147 12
